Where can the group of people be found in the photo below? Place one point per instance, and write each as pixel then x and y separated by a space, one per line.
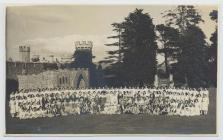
pixel 27 104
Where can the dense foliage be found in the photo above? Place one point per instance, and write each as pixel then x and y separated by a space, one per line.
pixel 181 41
pixel 135 61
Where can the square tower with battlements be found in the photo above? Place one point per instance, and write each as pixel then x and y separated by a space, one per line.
pixel 83 53
pixel 24 54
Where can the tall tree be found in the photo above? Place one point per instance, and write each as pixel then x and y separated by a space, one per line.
pixel 213 51
pixel 193 59
pixel 138 49
pixel 139 59
pixel 115 56
pixel 182 16
pixel 168 37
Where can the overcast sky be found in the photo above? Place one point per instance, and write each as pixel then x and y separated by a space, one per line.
pixel 52 30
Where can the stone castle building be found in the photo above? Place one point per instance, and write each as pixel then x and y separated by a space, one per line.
pixel 75 78
pixel 80 73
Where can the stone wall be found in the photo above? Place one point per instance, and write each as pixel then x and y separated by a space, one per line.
pixel 54 79
pixel 18 68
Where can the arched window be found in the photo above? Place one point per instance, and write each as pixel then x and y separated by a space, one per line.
pixel 63 80
pixel 66 80
pixel 60 81
pixel 24 66
pixel 81 83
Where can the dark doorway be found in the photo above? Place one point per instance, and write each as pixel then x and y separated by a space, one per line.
pixel 81 82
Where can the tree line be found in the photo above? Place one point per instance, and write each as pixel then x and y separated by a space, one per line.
pixel 180 40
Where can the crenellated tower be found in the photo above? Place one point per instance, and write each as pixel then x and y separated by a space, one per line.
pixel 83 53
pixel 24 54
pixel 84 45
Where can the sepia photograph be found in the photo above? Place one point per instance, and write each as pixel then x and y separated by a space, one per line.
pixel 111 69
